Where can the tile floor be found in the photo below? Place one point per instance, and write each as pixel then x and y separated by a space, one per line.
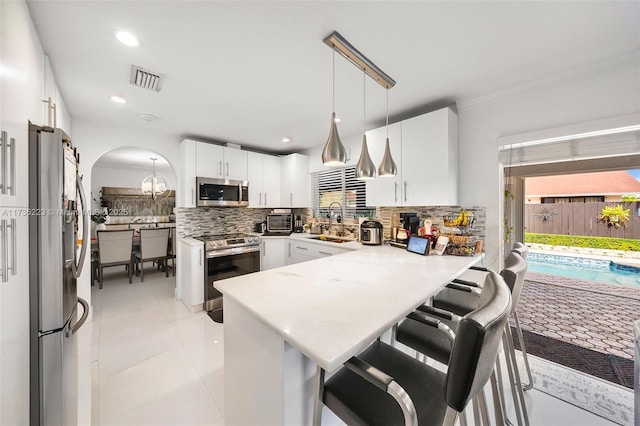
pixel 155 363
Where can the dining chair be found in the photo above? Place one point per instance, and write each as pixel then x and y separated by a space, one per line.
pixel 456 301
pixel 384 386
pixel 153 247
pixel 114 248
pixel 171 254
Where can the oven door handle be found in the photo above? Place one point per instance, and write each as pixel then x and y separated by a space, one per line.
pixel 232 251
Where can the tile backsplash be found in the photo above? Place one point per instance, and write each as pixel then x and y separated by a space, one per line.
pixel 435 214
pixel 195 222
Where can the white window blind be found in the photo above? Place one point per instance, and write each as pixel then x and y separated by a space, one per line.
pixel 338 185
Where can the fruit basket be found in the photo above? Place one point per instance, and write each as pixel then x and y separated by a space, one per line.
pixel 464 219
pixel 460 249
pixel 462 239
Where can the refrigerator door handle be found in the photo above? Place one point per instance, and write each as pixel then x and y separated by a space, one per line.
pixel 85 313
pixel 85 228
pixel 3 151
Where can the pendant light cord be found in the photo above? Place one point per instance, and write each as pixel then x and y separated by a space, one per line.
pixel 387 113
pixel 364 101
pixel 334 80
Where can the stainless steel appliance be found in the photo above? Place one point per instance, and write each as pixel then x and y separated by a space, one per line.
pixel 222 192
pixel 56 202
pixel 371 232
pixel 227 256
pixel 280 222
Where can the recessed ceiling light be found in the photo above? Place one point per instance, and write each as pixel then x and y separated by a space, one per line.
pixel 286 140
pixel 118 100
pixel 127 39
pixel 337 119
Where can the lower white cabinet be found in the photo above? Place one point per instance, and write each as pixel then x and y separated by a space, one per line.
pixel 273 253
pixel 190 268
pixel 14 316
pixel 302 251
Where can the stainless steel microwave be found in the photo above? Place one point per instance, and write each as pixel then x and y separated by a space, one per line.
pixel 222 192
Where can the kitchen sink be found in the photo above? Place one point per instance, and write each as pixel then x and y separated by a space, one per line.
pixel 332 239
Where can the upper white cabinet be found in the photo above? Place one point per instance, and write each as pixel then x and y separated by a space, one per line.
pixel 295 181
pixel 385 191
pixel 425 148
pixel 215 161
pixel 207 160
pixel 264 180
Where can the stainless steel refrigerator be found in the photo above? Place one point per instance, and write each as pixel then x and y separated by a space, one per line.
pixel 56 256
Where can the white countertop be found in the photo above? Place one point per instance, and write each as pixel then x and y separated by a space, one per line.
pixel 191 241
pixel 332 308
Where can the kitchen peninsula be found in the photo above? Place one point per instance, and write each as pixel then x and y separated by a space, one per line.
pixel 282 323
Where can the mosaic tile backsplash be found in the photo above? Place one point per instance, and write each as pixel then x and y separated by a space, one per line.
pixel 199 221
pixel 435 214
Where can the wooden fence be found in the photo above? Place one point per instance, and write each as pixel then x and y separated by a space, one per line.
pixel 579 219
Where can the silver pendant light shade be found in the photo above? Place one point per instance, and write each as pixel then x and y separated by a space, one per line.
pixel 387 166
pixel 334 153
pixel 365 169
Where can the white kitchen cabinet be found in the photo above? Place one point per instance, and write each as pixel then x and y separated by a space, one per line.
pixel 385 191
pixel 54 117
pixel 264 180
pixel 190 269
pixel 425 149
pixel 273 253
pixel 186 196
pixel 14 317
pixel 295 181
pixel 220 162
pixel 430 159
pixel 299 250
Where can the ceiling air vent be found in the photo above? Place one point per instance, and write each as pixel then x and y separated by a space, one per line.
pixel 145 79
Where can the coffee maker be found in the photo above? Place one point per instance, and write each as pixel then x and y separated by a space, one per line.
pixel 410 222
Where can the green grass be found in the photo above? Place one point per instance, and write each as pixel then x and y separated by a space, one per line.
pixel 581 241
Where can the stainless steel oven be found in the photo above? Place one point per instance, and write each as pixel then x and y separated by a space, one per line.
pixel 227 256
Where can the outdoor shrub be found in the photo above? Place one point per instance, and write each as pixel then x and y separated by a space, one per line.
pixel 582 241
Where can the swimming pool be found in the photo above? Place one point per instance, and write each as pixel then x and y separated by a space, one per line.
pixel 583 269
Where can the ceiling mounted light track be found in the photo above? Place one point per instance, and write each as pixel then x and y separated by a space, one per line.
pixel 343 47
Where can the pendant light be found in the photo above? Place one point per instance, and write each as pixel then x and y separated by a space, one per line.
pixel 153 186
pixel 334 153
pixel 365 169
pixel 387 167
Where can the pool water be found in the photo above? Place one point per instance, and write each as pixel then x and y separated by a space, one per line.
pixel 583 269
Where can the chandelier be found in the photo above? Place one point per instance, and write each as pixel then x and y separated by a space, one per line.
pixel 154 184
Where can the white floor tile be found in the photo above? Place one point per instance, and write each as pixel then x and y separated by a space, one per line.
pixel 188 405
pixel 197 326
pixel 145 382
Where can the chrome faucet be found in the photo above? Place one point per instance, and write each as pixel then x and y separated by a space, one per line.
pixel 331 214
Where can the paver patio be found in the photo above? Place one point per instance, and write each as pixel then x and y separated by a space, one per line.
pixel 590 314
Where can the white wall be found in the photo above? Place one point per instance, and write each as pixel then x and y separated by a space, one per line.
pixel 596 96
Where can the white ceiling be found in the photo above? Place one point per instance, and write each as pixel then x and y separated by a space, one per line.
pixel 254 72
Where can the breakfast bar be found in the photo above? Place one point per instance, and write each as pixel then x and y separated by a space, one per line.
pixel 282 323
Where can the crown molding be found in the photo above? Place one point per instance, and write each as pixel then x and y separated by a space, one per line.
pixel 554 80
